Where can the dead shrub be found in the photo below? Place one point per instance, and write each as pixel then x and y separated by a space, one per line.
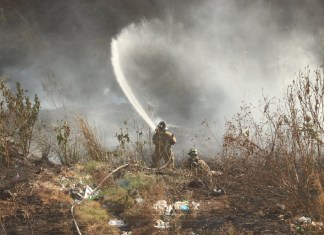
pixel 281 149
pixel 92 142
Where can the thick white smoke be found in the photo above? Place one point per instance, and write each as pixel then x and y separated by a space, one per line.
pixel 188 60
pixel 190 74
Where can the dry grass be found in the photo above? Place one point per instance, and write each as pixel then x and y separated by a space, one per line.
pixel 282 151
pixel 230 229
pixel 93 219
pixel 92 143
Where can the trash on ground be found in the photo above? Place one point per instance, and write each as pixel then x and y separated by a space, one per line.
pixel 317 224
pixel 126 233
pixel 54 158
pixel 192 233
pixel 304 219
pixel 281 206
pixel 117 223
pixel 184 208
pixel 160 205
pixel 168 213
pixel 138 198
pixel 162 225
pixel 181 205
pixel 217 192
pixel 87 192
pixel 195 205
pixel 216 173
pixel 77 193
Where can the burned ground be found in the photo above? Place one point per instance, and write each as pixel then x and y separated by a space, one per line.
pixel 34 199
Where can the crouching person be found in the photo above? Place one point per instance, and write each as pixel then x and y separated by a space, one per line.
pixel 199 167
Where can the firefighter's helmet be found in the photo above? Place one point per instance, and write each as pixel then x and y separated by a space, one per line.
pixel 162 126
pixel 193 152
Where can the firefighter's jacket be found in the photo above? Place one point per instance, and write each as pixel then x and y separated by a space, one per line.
pixel 163 140
pixel 201 168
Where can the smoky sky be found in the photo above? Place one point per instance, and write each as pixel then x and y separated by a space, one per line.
pixel 202 63
pixel 185 60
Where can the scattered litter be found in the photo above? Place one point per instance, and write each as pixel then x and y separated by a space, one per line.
pixel 162 225
pixel 317 224
pixel 192 233
pixel 160 205
pixel 88 191
pixel 54 158
pixel 168 213
pixel 304 219
pixel 216 173
pixel 117 223
pixel 184 208
pixel 281 206
pixel 195 205
pixel 184 205
pixel 217 192
pixel 76 193
pixel 139 200
pixel 163 206
pixel 126 233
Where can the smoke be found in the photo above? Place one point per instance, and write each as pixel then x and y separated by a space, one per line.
pixel 201 66
pixel 186 60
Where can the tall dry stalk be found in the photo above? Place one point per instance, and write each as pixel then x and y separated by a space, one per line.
pixel 92 142
pixel 283 146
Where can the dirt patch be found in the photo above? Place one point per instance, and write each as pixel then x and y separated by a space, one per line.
pixel 30 201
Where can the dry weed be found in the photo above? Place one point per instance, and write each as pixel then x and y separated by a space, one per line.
pixel 92 143
pixel 282 149
pixel 93 219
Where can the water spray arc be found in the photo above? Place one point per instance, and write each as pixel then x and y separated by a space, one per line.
pixel 124 85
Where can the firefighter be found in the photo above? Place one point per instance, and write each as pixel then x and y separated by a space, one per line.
pixel 198 166
pixel 163 140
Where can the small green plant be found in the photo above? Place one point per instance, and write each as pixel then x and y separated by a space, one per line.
pixel 62 137
pixel 69 143
pixel 123 148
pixel 134 146
pixel 18 115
